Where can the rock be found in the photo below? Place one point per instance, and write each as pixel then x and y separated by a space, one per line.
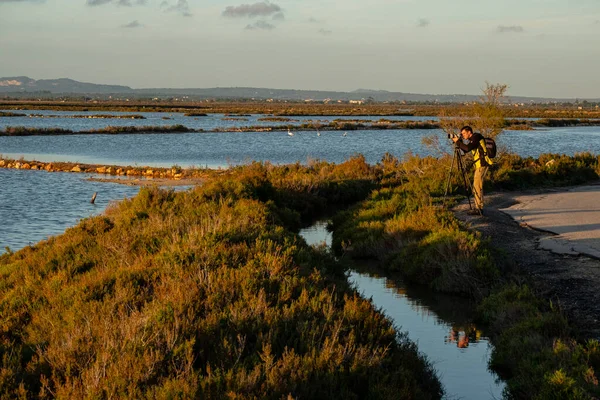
pixel 178 176
pixel 149 172
pixel 76 169
pixel 35 167
pixel 120 171
pixel 25 166
pixel 550 163
pixel 2 163
pixel 131 172
pixel 101 170
pixel 48 167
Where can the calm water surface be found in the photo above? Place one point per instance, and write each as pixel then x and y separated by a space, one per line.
pixel 439 324
pixel 211 121
pixel 222 149
pixel 36 204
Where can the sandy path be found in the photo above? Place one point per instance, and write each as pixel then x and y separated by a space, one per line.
pixel 572 214
pixel 566 274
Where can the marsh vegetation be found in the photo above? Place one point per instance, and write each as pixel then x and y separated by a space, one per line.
pixel 211 292
pixel 291 109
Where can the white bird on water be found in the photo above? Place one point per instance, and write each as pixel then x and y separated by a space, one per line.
pixel 290 133
pixel 345 134
pixel 318 133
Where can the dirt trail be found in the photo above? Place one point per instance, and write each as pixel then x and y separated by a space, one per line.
pixel 573 281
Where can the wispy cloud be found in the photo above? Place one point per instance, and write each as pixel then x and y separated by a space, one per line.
pixel 262 9
pixel 260 25
pixel 512 28
pixel 313 20
pixel 127 3
pixel 325 32
pixel 181 7
pixel 422 23
pixel 21 1
pixel 132 24
pixel 278 16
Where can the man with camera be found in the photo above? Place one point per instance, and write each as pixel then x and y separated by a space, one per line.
pixel 475 143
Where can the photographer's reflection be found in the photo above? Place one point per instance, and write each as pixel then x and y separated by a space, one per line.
pixel 462 336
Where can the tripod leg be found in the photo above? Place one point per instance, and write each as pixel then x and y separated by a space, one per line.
pixel 468 186
pixel 449 176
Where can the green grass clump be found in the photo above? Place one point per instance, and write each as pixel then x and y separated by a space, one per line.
pixel 402 225
pixel 549 170
pixel 534 351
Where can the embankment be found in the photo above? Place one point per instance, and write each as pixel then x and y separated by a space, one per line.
pixel 175 172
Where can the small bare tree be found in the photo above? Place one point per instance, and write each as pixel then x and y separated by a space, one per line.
pixel 485 116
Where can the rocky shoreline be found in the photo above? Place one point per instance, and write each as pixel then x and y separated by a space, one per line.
pixel 172 173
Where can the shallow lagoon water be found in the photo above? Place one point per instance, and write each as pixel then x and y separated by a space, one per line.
pixel 62 119
pixel 220 149
pixel 37 204
pixel 439 324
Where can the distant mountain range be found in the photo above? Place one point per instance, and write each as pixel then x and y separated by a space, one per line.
pixel 22 86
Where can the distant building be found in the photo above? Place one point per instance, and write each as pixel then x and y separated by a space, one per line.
pixel 357 101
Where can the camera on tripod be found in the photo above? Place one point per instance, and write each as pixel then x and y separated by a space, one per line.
pixel 452 135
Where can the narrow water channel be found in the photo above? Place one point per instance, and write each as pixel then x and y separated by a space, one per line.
pixel 441 325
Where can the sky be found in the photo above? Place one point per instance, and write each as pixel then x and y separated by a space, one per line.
pixel 540 48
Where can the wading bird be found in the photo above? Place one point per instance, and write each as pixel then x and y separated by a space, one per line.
pixel 290 133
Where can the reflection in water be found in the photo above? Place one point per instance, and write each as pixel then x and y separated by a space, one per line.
pixel 463 335
pixel 441 325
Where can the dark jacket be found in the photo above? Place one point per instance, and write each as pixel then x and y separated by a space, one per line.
pixel 476 145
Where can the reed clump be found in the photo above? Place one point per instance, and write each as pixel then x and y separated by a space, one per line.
pixel 548 170
pixel 25 131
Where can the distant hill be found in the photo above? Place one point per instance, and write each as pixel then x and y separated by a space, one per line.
pixel 22 86
pixel 63 85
